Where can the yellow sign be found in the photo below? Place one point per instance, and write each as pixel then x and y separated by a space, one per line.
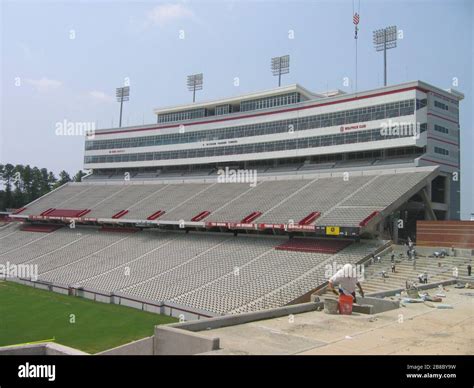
pixel 332 230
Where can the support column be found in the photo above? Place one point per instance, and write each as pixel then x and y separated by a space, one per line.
pixel 395 230
pixel 429 213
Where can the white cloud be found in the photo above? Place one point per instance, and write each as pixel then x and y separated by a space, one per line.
pixel 100 96
pixel 44 84
pixel 168 13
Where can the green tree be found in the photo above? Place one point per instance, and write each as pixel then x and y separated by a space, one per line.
pixel 21 185
pixel 78 176
pixel 63 178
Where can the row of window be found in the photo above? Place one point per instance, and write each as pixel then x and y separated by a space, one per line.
pixel 261 103
pixel 184 115
pixel 369 156
pixel 450 100
pixel 441 151
pixel 270 102
pixel 421 103
pixel 378 112
pixel 281 145
pixel 223 109
pixel 441 129
pixel 440 105
pixel 451 108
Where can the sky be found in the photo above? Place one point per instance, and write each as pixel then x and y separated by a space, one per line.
pixel 62 60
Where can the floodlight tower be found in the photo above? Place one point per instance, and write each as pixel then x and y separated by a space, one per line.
pixel 280 65
pixel 195 83
pixel 385 39
pixel 122 95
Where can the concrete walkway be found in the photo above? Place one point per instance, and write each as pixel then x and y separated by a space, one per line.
pixel 414 329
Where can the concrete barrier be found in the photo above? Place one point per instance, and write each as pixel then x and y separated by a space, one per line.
pixel 182 338
pixel 173 341
pixel 378 305
pixel 383 294
pixel 142 347
pixel 43 349
pixel 239 319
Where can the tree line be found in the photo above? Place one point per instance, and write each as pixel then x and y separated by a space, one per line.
pixel 22 184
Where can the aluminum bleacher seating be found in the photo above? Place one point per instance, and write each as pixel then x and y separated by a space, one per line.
pixel 212 272
pixel 340 200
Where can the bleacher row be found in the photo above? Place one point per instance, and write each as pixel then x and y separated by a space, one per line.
pixel 344 201
pixel 212 272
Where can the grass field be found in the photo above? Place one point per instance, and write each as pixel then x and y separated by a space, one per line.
pixel 28 314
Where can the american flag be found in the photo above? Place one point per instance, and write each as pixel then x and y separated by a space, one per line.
pixel 355 20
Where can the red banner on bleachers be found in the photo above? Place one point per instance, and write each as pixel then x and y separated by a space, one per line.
pixel 272 226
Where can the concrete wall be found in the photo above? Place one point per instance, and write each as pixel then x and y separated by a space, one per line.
pixel 60 290
pixel 238 319
pixel 142 347
pixel 181 338
pixel 173 341
pixel 378 305
pixel 43 349
pixel 182 312
pixel 383 294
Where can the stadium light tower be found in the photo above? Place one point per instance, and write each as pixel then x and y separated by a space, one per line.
pixel 280 65
pixel 195 83
pixel 122 95
pixel 385 39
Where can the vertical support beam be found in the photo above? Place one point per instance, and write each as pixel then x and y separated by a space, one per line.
pixel 385 57
pixel 429 213
pixel 447 196
pixel 395 230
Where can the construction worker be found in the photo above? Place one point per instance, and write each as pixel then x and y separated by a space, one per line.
pixel 347 280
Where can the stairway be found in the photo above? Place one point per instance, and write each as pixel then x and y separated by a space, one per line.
pixel 374 282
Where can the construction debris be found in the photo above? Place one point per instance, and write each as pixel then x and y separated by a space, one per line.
pixel 444 306
pixel 412 300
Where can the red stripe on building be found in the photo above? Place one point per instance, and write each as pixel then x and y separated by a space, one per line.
pixel 442 141
pixel 441 117
pixel 434 161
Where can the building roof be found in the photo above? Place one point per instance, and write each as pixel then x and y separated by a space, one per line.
pixel 294 88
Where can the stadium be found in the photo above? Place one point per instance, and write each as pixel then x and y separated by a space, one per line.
pixel 239 205
pixel 256 219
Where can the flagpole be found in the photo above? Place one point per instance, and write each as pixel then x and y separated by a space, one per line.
pixel 356 64
pixel 355 20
